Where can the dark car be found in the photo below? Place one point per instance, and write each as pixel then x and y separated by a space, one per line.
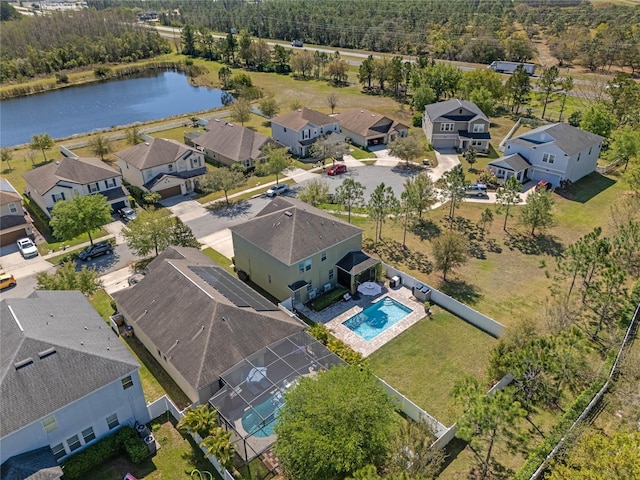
pixel 95 250
pixel 543 185
pixel 337 168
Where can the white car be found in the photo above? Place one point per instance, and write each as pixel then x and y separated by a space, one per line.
pixel 27 248
pixel 278 190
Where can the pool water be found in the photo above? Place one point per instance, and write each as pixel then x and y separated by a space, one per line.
pixel 253 422
pixel 377 318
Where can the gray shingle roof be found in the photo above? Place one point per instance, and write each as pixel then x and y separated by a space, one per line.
pixel 367 123
pixel 567 138
pixel 75 170
pixel 154 153
pixel 88 355
pixel 515 162
pixel 232 141
pixel 290 230
pixel 440 109
pixel 198 330
pixel 38 464
pixel 298 119
pixel 8 193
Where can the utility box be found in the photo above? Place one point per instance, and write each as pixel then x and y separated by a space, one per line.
pixel 422 293
pixel 395 281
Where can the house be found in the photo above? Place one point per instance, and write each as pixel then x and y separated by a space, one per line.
pixel 300 128
pixel 293 250
pixel 197 320
pixel 14 222
pixel 366 128
pixel 69 176
pixel 553 153
pixel 167 167
pixel 230 144
pixel 456 124
pixel 67 380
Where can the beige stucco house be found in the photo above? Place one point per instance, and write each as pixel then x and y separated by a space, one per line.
pixel 293 250
pixel 366 128
pixel 164 166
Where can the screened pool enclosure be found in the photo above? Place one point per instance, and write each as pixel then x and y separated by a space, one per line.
pixel 253 389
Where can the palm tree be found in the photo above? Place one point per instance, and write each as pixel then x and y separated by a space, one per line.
pixel 200 420
pixel 218 444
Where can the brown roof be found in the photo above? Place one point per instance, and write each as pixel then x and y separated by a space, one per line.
pixel 8 193
pixel 290 230
pixel 75 170
pixel 298 119
pixel 199 331
pixel 366 123
pixel 232 141
pixel 158 151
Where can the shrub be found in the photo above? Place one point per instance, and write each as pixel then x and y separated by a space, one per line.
pixel 102 72
pixel 136 449
pixel 328 299
pixel 337 346
pixel 62 78
pixel 40 219
pixel 416 120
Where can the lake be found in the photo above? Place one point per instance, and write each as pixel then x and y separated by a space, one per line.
pixel 100 105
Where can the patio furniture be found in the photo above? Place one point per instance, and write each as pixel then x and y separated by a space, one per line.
pixel 346 297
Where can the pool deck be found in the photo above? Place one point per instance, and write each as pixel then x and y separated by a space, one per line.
pixel 335 315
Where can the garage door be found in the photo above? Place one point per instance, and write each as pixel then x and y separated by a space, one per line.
pixel 118 205
pixel 445 142
pixel 7 238
pixel 170 192
pixel 552 178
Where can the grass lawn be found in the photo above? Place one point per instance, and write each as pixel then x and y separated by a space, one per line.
pixel 359 154
pixel 177 457
pixel 425 361
pixel 220 259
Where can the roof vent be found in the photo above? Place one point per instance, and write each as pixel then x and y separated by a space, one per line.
pixel 51 314
pixel 46 353
pixel 23 363
pixel 288 213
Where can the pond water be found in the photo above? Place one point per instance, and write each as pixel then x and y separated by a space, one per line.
pixel 95 106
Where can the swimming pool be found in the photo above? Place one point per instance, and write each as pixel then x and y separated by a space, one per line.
pixel 253 422
pixel 377 318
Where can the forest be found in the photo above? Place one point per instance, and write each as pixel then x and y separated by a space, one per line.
pixel 595 36
pixel 47 44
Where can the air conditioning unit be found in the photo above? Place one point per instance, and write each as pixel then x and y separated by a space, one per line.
pixel 327 287
pixel 312 294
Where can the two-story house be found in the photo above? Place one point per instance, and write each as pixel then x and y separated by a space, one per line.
pixel 366 128
pixel 14 222
pixel 69 176
pixel 299 129
pixel 67 380
pixel 294 250
pixel 164 166
pixel 552 153
pixel 456 124
pixel 230 144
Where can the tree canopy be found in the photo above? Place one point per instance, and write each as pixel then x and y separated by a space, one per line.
pixel 334 424
pixel 79 214
pixel 67 277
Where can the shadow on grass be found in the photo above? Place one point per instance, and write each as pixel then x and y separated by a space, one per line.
pixel 234 209
pixel 586 188
pixel 393 252
pixel 405 170
pixel 461 291
pixel 425 229
pixel 534 245
pixel 451 452
pixel 159 373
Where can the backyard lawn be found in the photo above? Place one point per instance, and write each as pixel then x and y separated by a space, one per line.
pixel 426 360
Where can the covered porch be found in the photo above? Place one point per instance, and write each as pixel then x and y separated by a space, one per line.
pixel 510 166
pixel 356 268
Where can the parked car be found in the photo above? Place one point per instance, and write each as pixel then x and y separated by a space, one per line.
pixel 27 248
pixel 543 185
pixel 477 189
pixel 279 189
pixel 127 214
pixel 7 280
pixel 297 43
pixel 337 169
pixel 96 250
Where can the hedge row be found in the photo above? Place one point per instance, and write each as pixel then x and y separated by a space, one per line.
pixel 124 440
pixel 40 219
pixel 337 346
pixel 328 299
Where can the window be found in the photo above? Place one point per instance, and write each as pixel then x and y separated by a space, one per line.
pixel 309 287
pixel 110 183
pixel 58 451
pixel 13 208
pixel 301 267
pixel 112 420
pixel 49 424
pixel 307 265
pixel 127 382
pixel 93 187
pixel 73 443
pixel 447 127
pixel 57 196
pixel 170 167
pixel 196 162
pixel 331 274
pixel 269 278
pixel 478 128
pixel 548 158
pixel 476 143
pixel 285 129
pixel 323 256
pixel 88 435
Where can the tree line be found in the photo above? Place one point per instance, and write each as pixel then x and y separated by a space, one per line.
pixel 38 45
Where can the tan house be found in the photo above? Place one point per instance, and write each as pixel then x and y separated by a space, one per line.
pixel 456 124
pixel 293 250
pixel 69 176
pixel 197 320
pixel 167 167
pixel 14 222
pixel 366 128
pixel 300 128
pixel 230 144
